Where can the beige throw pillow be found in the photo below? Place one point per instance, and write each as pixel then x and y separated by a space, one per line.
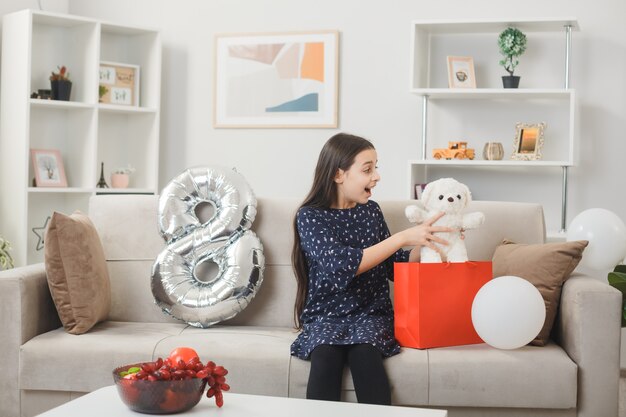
pixel 547 266
pixel 77 272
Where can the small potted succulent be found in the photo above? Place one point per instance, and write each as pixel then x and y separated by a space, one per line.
pixel 60 84
pixel 512 43
pixel 6 261
pixel 121 177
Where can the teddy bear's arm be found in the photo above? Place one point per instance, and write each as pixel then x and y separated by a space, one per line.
pixel 473 220
pixel 415 213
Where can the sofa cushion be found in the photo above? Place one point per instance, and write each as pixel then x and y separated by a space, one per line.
pixel 133 231
pixel 481 243
pixel 257 358
pixel 86 362
pixel 131 297
pixel 481 376
pixel 546 266
pixel 76 271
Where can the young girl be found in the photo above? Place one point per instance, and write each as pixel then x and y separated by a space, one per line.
pixel 343 255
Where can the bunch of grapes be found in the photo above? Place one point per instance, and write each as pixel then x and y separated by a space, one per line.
pixel 173 369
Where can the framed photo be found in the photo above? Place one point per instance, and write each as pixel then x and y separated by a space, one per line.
pixel 119 84
pixel 461 72
pixel 48 167
pixel 276 80
pixel 528 141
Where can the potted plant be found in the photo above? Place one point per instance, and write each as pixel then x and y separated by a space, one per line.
pixel 121 177
pixel 617 279
pixel 512 43
pixel 60 84
pixel 6 261
pixel 102 90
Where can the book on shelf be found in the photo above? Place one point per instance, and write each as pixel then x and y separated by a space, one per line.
pixel 419 189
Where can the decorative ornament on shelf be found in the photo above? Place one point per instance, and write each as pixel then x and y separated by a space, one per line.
pixel 60 84
pixel 102 90
pixel 493 151
pixel 41 234
pixel 102 182
pixel 6 261
pixel 455 150
pixel 512 43
pixel 120 178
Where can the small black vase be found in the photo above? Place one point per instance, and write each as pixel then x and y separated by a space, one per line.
pixel 61 89
pixel 510 81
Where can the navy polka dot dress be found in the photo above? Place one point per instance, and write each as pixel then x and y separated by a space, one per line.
pixel 342 308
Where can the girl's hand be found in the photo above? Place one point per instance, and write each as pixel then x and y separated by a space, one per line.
pixel 423 234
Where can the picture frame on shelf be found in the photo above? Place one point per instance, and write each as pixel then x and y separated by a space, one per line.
pixel 48 167
pixel 119 83
pixel 276 80
pixel 528 141
pixel 461 72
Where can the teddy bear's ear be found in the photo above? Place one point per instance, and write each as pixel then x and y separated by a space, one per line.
pixel 426 194
pixel 468 194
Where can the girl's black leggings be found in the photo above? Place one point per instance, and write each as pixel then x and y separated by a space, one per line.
pixel 366 365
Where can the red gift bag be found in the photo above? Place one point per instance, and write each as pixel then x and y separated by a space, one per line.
pixel 433 302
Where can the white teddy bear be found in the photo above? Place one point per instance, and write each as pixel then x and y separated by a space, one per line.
pixel 451 197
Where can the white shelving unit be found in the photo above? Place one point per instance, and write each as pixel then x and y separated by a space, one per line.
pixel 489 112
pixel 85 132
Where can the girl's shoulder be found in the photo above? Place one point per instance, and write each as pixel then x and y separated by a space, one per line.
pixel 373 205
pixel 321 212
pixel 309 212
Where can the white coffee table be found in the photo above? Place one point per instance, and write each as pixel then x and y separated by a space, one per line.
pixel 105 402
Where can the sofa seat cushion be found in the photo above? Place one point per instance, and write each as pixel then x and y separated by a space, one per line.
pixel 407 372
pixel 257 358
pixel 481 376
pixel 84 362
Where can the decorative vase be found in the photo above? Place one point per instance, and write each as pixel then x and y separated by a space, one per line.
pixel 119 180
pixel 61 89
pixel 493 151
pixel 510 81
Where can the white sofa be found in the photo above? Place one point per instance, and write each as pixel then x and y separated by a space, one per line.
pixel 43 366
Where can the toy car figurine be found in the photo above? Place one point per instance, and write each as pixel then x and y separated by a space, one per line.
pixel 456 150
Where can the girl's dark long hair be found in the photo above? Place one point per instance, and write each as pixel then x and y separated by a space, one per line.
pixel 339 152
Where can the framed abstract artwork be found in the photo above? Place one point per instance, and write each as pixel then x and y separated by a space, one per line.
pixel 276 80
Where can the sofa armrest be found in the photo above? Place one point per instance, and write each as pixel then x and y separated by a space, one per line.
pixel 26 310
pixel 588 328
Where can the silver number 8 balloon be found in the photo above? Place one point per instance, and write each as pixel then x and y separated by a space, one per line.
pixel 178 284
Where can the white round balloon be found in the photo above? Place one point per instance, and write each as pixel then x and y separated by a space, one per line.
pixel 508 312
pixel 606 234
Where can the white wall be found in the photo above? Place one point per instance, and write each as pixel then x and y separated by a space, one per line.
pixel 9 6
pixel 374 98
